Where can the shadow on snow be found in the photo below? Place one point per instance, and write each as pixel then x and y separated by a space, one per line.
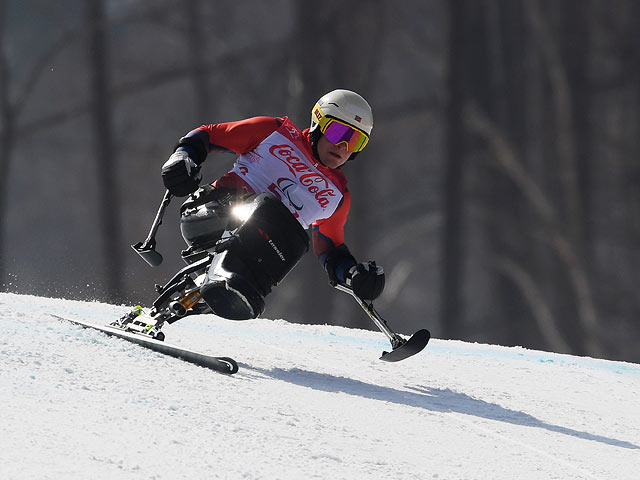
pixel 433 399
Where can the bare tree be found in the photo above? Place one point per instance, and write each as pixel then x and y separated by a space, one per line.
pixel 453 205
pixel 13 99
pixel 569 245
pixel 196 53
pixel 7 126
pixel 553 236
pixel 486 98
pixel 106 163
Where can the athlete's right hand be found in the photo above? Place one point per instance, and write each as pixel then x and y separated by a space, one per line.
pixel 180 174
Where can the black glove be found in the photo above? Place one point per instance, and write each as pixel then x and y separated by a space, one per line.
pixel 366 280
pixel 180 174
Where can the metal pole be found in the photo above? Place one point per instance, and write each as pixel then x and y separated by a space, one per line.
pixel 395 339
pixel 157 221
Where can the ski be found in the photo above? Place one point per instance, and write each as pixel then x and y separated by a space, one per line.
pixel 408 348
pixel 224 365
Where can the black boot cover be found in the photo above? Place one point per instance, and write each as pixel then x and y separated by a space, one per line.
pixel 258 257
pixel 230 289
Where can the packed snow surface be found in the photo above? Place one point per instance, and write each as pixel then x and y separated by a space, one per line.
pixel 308 402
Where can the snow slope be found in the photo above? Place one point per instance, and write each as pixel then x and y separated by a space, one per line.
pixel 308 402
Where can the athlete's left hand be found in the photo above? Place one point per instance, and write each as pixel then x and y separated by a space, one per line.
pixel 366 280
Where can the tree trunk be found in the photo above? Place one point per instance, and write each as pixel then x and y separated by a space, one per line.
pixel 569 245
pixel 6 143
pixel 196 44
pixel 453 204
pixel 101 121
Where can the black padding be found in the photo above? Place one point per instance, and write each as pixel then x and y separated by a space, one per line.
pixel 272 239
pixel 261 253
pixel 196 146
pixel 229 291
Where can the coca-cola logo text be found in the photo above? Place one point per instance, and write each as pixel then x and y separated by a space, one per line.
pixel 315 183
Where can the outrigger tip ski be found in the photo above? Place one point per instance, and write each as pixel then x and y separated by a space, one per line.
pixel 400 348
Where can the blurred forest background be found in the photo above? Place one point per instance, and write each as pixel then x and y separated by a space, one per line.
pixel 500 189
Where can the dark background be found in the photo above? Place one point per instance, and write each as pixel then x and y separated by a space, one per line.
pixel 500 189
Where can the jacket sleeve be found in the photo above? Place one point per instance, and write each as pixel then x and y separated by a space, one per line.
pixel 328 242
pixel 237 137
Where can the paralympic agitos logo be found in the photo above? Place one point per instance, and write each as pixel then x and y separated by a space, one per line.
pixel 312 180
pixel 285 184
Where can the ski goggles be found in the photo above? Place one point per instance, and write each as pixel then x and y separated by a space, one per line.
pixel 338 132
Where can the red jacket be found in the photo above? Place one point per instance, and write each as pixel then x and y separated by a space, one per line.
pixel 242 137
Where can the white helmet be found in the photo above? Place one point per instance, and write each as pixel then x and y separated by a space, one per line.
pixel 346 106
